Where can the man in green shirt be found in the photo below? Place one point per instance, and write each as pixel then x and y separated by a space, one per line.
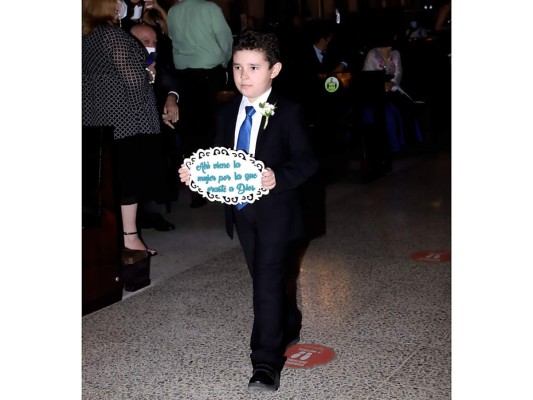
pixel 201 49
pixel 201 37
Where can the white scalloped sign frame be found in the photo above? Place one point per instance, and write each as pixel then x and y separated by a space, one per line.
pixel 225 175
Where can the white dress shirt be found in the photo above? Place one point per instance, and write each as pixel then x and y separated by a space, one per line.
pixel 319 54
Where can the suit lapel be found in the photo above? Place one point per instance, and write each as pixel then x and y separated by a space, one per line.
pixel 262 134
pixel 229 139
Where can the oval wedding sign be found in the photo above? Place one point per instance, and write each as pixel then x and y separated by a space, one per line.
pixel 225 175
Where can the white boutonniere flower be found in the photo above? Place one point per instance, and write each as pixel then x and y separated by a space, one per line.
pixel 266 110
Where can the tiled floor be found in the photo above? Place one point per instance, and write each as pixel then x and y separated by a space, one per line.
pixel 386 316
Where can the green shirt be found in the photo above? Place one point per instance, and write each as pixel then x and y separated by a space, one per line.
pixel 201 37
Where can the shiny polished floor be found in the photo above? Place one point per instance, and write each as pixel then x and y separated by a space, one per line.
pixel 386 315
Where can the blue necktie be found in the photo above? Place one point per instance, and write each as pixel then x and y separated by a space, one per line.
pixel 243 141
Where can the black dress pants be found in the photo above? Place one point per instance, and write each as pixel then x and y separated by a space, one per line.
pixel 273 266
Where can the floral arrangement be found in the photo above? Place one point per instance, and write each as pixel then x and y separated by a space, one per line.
pixel 266 110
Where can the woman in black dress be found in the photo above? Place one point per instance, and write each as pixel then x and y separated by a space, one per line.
pixel 117 91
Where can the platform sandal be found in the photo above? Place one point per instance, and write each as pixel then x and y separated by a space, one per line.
pixel 151 252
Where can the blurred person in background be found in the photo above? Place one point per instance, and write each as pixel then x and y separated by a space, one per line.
pixel 201 47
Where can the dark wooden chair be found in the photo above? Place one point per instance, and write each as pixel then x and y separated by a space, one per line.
pixel 102 283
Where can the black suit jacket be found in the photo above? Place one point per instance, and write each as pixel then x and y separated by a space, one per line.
pixel 285 148
pixel 310 62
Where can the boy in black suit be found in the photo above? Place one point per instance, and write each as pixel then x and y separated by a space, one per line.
pixel 271 228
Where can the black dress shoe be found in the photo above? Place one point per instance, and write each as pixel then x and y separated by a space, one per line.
pixel 264 379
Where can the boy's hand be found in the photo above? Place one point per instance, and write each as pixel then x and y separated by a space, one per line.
pixel 268 179
pixel 185 174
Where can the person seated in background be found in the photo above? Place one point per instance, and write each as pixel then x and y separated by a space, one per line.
pixel 416 31
pixel 316 57
pixel 385 58
pixel 400 120
pixel 166 90
pixel 308 66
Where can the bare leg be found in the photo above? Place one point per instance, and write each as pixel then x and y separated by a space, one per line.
pixel 129 224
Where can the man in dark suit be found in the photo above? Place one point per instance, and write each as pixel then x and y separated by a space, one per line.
pixel 317 57
pixel 308 67
pixel 201 49
pixel 269 229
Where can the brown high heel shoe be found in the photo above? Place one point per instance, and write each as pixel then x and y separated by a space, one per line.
pixel 136 269
pixel 130 257
pixel 151 252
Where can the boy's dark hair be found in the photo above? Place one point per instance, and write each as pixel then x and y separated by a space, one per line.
pixel 254 40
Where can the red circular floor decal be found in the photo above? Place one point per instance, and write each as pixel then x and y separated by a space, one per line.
pixel 432 256
pixel 308 355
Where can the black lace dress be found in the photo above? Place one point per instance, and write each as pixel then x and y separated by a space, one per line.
pixel 116 92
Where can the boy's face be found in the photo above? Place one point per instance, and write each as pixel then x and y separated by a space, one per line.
pixel 251 73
